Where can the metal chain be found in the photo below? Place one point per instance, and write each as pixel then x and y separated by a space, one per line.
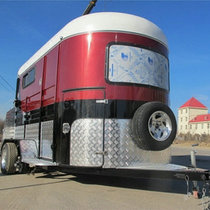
pixel 203 197
pixel 188 191
pixel 208 202
pixel 205 202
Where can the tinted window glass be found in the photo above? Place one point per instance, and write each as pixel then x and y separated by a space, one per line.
pixel 29 78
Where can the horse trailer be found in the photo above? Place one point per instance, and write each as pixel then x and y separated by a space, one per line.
pixel 95 99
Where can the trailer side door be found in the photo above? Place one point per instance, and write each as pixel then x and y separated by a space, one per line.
pixel 85 140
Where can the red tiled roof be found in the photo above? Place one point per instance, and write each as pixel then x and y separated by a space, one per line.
pixel 201 118
pixel 193 102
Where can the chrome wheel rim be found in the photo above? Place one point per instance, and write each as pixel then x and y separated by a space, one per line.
pixel 3 158
pixel 159 126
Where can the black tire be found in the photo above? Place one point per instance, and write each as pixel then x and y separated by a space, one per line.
pixel 9 156
pixel 153 126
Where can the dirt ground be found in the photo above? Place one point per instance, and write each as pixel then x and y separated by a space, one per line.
pixel 61 191
pixel 190 143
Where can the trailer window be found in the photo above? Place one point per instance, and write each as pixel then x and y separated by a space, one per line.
pixel 29 78
pixel 129 64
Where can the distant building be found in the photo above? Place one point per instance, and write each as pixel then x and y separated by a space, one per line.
pixel 193 118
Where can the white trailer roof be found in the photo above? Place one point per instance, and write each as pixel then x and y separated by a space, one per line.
pixel 95 22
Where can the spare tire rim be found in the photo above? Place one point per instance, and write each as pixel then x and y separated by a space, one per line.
pixel 159 126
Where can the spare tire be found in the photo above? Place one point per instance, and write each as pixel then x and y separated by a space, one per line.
pixel 153 126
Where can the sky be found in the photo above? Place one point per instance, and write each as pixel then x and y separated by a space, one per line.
pixel 27 25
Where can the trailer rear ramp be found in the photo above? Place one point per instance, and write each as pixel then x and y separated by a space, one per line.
pixel 159 170
pixel 145 170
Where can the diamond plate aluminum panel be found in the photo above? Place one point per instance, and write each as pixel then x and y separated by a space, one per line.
pixel 39 162
pixel 9 133
pixel 19 132
pixel 46 139
pixel 86 142
pixel 32 132
pixel 121 150
pixel 29 149
pixel 157 167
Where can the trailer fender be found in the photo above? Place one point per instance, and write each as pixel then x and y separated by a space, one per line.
pixel 153 126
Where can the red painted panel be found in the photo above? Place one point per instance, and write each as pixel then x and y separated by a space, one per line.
pixel 49 77
pixel 84 94
pixel 136 93
pixel 48 96
pixel 31 95
pixel 82 63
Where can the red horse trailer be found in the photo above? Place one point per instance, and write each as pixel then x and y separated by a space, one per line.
pixel 94 97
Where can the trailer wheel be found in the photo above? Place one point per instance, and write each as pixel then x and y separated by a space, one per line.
pixel 153 126
pixel 9 157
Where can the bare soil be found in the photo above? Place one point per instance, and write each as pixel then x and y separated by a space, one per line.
pixel 201 144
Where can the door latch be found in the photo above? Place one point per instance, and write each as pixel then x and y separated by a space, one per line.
pixel 102 153
pixel 102 101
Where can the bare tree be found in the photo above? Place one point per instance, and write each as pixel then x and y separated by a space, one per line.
pixel 1 128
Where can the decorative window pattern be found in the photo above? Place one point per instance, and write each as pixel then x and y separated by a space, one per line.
pixel 29 78
pixel 128 64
